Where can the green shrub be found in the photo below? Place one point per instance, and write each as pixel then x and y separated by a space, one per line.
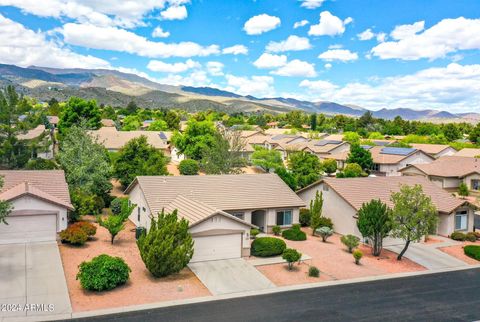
pixel 304 217
pixel 324 232
pixel 267 246
pixel 313 271
pixel 276 230
pixel 254 232
pixel 117 205
pixel 41 164
pixel 188 167
pixel 89 228
pixel 472 251
pixel 357 255
pixel 73 235
pixel 463 190
pixel 325 222
pixel 477 234
pixel 471 237
pixel 296 226
pixel 84 204
pixel 350 241
pixel 291 256
pixel 103 273
pixel 294 233
pixel 457 235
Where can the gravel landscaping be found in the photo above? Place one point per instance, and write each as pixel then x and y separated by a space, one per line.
pixel 457 251
pixel 141 288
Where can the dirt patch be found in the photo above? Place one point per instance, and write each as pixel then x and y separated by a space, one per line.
pixel 432 240
pixel 172 168
pixel 457 252
pixel 141 288
pixel 281 276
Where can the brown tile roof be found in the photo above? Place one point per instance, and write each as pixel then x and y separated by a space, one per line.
pixel 430 148
pixel 448 166
pixel 225 192
pixel 357 191
pixel 380 157
pixel 49 185
pixel 468 152
pixel 115 140
pixel 33 133
pixel 108 122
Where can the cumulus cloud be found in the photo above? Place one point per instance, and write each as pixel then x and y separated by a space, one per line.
pixel 257 25
pixel 311 4
pixel 267 61
pixel 162 67
pixel 215 68
pixel 292 43
pixel 296 68
pixel 235 50
pixel 260 86
pixel 446 37
pixel 195 78
pixel 329 25
pixel 112 38
pixel 174 13
pixel 366 34
pixel 327 66
pixel 455 88
pixel 299 24
pixel 159 33
pixel 338 54
pixel 24 47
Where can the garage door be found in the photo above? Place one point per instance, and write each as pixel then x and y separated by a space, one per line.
pixel 31 228
pixel 217 247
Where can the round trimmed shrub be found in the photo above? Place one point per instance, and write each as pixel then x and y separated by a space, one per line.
pixel 472 251
pixel 313 271
pixel 294 233
pixel 89 228
pixel 357 255
pixel 73 235
pixel 457 235
pixel 471 237
pixel 267 246
pixel 276 230
pixel 188 167
pixel 254 232
pixel 103 273
pixel 325 222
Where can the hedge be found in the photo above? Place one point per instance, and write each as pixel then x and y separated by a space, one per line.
pixel 268 246
pixel 103 273
pixel 472 251
pixel 294 233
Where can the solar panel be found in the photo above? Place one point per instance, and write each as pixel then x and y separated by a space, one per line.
pixel 162 136
pixel 366 147
pixel 381 143
pixel 325 142
pixel 283 136
pixel 397 151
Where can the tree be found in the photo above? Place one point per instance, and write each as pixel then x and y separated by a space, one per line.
pixel 41 164
pixel 198 136
pixel 366 120
pixel 351 137
pixel 329 166
pixel 173 120
pixel 291 256
pixel 463 190
pixel 305 167
pixel 267 159
pixel 287 177
pixel 350 241
pixel 138 158
pixel 77 111
pixel 224 155
pixel 168 246
pixel 451 132
pixel 5 207
pixel 188 167
pixel 325 232
pixel 351 170
pixel 360 156
pixel 295 119
pixel 313 121
pixel 474 135
pixel 115 223
pixel 316 206
pixel 374 223
pixel 131 123
pixel 158 125
pixel 132 107
pixel 53 107
pixel 414 215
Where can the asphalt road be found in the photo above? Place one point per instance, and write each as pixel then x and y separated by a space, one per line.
pixel 452 296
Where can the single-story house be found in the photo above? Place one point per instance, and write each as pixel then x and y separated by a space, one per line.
pixel 435 150
pixel 468 152
pixel 221 209
pixel 41 135
pixel 325 148
pixel 448 172
pixel 342 199
pixel 40 201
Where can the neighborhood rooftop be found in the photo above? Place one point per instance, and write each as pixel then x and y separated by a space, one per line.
pixel 450 166
pixel 113 139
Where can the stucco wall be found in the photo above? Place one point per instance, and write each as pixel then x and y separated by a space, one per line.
pixel 416 158
pixel 31 203
pixel 136 197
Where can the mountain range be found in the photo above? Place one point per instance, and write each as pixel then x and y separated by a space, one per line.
pixel 115 88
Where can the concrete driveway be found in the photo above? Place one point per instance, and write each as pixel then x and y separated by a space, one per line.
pixel 32 281
pixel 230 276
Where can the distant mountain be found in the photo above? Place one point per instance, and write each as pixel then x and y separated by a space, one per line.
pixel 112 87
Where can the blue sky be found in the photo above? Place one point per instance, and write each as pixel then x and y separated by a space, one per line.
pixel 376 54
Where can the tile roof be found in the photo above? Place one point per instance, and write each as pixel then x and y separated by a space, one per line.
pixel 225 192
pixel 357 191
pixel 381 156
pixel 108 122
pixel 448 166
pixel 49 185
pixel 113 139
pixel 33 133
pixel 430 148
pixel 468 152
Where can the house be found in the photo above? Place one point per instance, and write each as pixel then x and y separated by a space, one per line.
pixel 53 120
pixel 435 150
pixel 448 172
pixel 40 201
pixel 221 209
pixel 43 147
pixel 342 199
pixel 324 148
pixel 468 152
pixel 107 122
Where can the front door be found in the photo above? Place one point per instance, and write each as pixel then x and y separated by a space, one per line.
pixel 258 219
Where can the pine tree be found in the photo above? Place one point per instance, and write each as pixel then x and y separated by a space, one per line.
pixel 316 206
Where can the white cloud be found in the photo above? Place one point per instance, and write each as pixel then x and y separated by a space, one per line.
pixel 292 43
pixel 299 24
pixel 260 86
pixel 329 25
pixel 338 54
pixel 311 4
pixel 215 68
pixel 159 33
pixel 267 61
pixel 235 50
pixel 366 34
pixel 257 25
pixel 162 67
pixel 405 31
pixel 455 88
pixel 381 37
pixel 174 13
pixel 296 68
pixel 195 78
pixel 25 47
pixel 112 38
pixel 446 37
pixel 327 66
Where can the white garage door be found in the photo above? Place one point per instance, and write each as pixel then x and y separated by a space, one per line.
pixel 31 228
pixel 208 248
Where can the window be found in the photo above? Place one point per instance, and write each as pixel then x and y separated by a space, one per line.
pixel 138 214
pixel 284 217
pixel 461 218
pixel 239 215
pixel 475 184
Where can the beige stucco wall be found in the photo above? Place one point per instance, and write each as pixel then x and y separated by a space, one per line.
pixel 447 222
pixel 32 203
pixel 136 197
pixel 447 152
pixel 416 158
pixel 468 179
